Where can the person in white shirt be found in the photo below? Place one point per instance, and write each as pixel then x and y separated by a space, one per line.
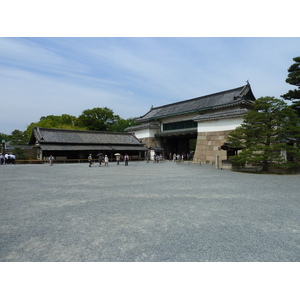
pixel 106 161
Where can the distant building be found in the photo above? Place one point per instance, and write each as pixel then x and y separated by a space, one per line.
pixel 21 151
pixel 78 144
pixel 197 127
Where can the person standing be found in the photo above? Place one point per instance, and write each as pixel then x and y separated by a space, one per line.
pixel 7 159
pixel 157 158
pixel 160 158
pixel 13 159
pixel 100 158
pixel 90 160
pixel 106 161
pixel 126 158
pixel 51 158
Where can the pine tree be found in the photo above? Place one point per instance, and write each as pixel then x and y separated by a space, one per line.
pixel 294 79
pixel 267 130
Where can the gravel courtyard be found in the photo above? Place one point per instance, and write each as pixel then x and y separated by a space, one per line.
pixel 147 212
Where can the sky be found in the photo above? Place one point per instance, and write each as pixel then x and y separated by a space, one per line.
pixel 130 55
pixel 42 76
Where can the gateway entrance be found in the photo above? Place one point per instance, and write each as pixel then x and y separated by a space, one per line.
pixel 179 142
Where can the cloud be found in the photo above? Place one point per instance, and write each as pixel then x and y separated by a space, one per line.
pixel 28 96
pixel 24 53
pixel 42 76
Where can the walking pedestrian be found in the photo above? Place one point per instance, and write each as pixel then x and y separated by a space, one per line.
pixel 126 158
pixel 90 160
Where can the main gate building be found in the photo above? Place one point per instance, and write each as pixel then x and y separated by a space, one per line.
pixel 198 126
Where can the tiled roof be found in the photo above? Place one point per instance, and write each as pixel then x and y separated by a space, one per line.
pixel 142 126
pixel 78 137
pixel 223 99
pixel 221 115
pixel 55 147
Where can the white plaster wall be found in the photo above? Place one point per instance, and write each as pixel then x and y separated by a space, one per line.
pixel 145 133
pixel 219 125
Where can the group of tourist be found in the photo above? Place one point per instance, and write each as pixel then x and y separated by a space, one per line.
pixel 7 159
pixel 105 159
pixel 180 157
pixel 158 158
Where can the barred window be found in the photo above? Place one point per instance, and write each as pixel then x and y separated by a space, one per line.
pixel 179 125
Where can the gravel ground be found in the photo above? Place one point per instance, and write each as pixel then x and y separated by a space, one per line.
pixel 147 212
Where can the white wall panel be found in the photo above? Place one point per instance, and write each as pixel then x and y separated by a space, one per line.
pixel 219 125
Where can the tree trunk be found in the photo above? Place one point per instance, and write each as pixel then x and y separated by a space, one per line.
pixel 265 166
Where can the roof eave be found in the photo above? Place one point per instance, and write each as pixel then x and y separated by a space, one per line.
pixel 176 114
pixel 234 103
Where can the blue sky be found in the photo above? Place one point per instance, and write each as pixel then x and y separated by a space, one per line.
pixel 44 76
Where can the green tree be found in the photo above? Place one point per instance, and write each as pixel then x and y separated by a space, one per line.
pixel 18 137
pixel 20 153
pixel 64 121
pixel 4 136
pixel 267 130
pixel 121 124
pixel 294 79
pixel 98 119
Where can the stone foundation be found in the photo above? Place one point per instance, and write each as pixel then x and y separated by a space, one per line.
pixel 149 142
pixel 209 146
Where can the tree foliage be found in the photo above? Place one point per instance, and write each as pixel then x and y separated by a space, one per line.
pixel 4 137
pixel 64 121
pixel 121 124
pixel 294 79
pixel 98 119
pixel 18 137
pixel 267 130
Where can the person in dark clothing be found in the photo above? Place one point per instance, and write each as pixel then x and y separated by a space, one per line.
pixel 126 158
pixel 90 160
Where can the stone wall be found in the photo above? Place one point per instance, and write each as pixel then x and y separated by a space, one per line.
pixel 149 142
pixel 209 146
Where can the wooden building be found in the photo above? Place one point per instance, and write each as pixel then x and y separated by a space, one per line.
pixel 78 144
pixel 198 126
